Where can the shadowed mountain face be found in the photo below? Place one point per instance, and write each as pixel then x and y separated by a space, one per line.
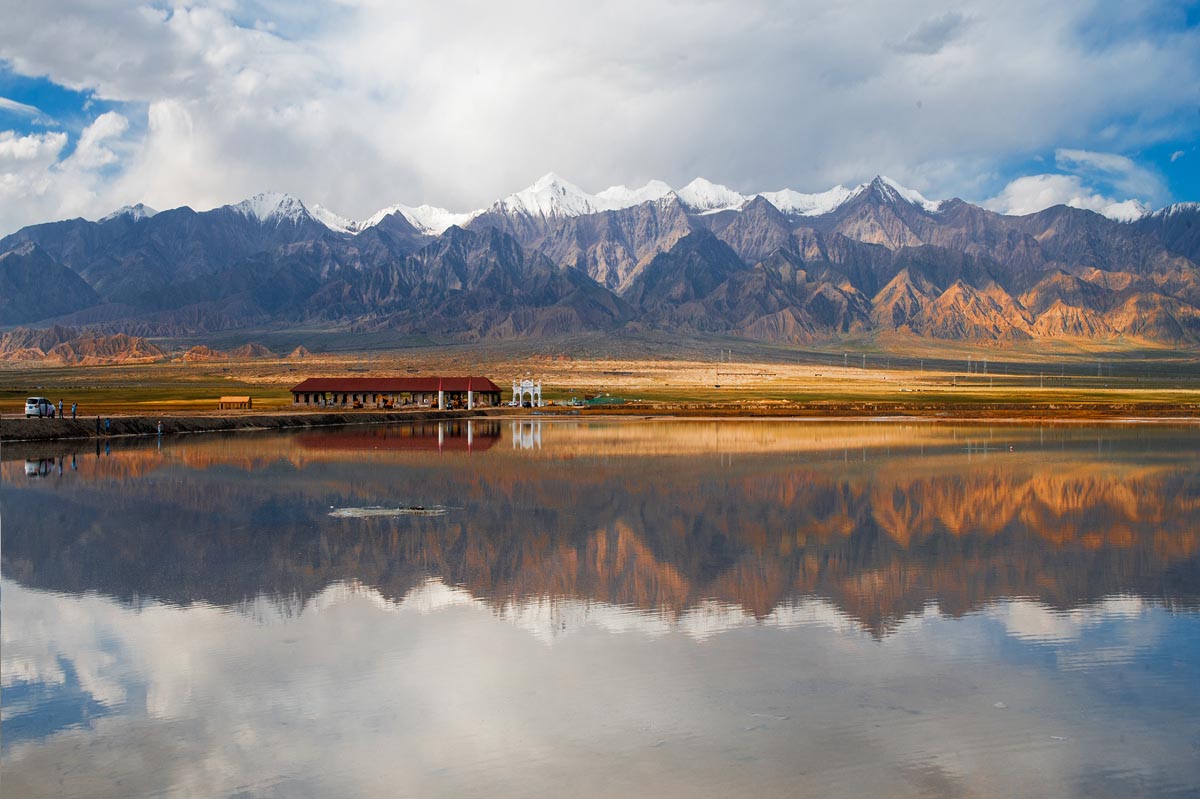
pixel 879 521
pixel 881 260
pixel 34 286
pixel 483 283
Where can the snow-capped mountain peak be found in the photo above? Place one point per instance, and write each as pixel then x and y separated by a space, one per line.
pixel 1175 208
pixel 549 196
pixel 380 215
pixel 553 197
pixel 432 219
pixel 1129 210
pixel 272 207
pixel 890 190
pixel 551 180
pixel 798 203
pixel 136 212
pixel 617 197
pixel 706 197
pixel 425 218
pixel 334 221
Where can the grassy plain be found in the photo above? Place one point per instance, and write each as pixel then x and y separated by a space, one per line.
pixel 711 376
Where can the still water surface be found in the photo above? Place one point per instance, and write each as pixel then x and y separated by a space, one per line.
pixel 641 608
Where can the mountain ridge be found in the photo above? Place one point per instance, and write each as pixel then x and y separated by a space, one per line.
pixel 554 259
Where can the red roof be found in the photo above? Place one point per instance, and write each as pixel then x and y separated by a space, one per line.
pixel 394 385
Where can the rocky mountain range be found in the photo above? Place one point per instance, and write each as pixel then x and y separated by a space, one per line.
pixel 777 266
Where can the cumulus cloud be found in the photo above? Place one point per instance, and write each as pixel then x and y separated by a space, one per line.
pixel 1088 175
pixel 39 184
pixel 92 151
pixel 364 104
pixel 25 164
pixel 1033 193
pixel 217 700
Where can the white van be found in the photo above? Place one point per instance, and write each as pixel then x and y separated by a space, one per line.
pixel 39 406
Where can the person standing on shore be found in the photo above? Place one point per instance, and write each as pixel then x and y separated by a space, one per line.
pixel 107 426
pixel 74 405
pixel 60 413
pixel 97 433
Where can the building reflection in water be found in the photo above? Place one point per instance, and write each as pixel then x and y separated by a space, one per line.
pixel 525 434
pixel 459 435
pixel 822 610
pixel 629 515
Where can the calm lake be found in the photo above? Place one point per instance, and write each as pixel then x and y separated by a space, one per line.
pixel 643 608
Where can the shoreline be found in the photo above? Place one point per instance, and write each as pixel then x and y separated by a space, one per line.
pixel 32 430
pixel 19 429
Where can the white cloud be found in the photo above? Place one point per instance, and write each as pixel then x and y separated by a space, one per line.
pixel 1092 177
pixel 1033 621
pixel 39 149
pixel 1033 193
pixel 92 151
pixel 13 107
pixel 318 699
pixel 25 163
pixel 38 184
pixel 365 104
pixel 1175 156
pixel 1124 174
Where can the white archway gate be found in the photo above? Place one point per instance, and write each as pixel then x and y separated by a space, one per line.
pixel 527 388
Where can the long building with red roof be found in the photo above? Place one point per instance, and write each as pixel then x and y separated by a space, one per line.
pixel 396 392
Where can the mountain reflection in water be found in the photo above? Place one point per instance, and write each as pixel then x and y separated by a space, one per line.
pixel 881 520
pixel 676 609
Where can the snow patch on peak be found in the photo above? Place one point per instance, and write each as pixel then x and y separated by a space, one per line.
pixel 891 190
pixel 1175 208
pixel 706 197
pixel 616 197
pixel 136 212
pixel 794 202
pixel 334 221
pixel 425 218
pixel 1126 211
pixel 549 196
pixel 550 180
pixel 431 219
pixel 272 207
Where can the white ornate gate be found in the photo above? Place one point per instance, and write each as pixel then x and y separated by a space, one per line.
pixel 527 388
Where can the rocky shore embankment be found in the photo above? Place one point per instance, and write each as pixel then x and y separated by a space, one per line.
pixel 20 429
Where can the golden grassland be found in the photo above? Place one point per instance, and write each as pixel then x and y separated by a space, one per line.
pixel 697 377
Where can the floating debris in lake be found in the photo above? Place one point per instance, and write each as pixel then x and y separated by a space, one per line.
pixel 375 510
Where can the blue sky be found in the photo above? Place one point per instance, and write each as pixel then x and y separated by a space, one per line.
pixel 364 104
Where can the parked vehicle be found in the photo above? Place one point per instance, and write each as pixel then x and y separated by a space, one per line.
pixel 39 406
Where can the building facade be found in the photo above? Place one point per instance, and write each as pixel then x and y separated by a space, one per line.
pixel 396 392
